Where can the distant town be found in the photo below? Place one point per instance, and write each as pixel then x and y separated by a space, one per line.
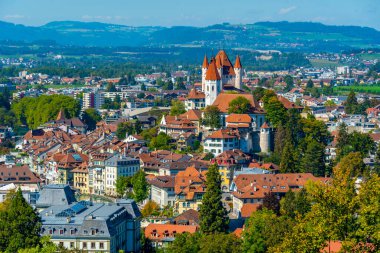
pixel 210 157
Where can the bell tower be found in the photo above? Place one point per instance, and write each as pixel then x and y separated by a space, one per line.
pixel 204 70
pixel 238 73
pixel 213 84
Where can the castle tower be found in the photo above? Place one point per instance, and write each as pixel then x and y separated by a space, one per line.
pixel 204 70
pixel 213 84
pixel 219 66
pixel 238 73
pixel 265 138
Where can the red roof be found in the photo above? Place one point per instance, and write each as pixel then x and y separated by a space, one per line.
pixel 223 101
pixel 194 94
pixel 248 208
pixel 212 72
pixel 237 63
pixel 205 63
pixel 332 247
pixel 222 134
pixel 265 125
pixel 159 232
pixel 238 118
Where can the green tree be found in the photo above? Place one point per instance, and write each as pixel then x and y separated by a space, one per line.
pixel 90 117
pixel 140 186
pixel 313 158
pixel 111 87
pixel 123 129
pixel 213 216
pixel 276 112
pixel 19 224
pixel 177 108
pixel 351 105
pixel 211 117
pixel 141 95
pixel 122 184
pixel 219 243
pixel 295 203
pixel 288 162
pixel 161 141
pixel 239 105
pixel 185 242
pixel 143 87
pixel 151 208
pixel 258 93
pixel 289 82
pixel 309 84
pixel 330 103
pixel 271 202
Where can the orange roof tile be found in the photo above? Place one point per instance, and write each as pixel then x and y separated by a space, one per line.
pixel 212 73
pixel 265 125
pixel 194 94
pixel 193 115
pixel 332 247
pixel 248 208
pixel 287 104
pixel 238 118
pixel 222 134
pixel 237 63
pixel 159 232
pixel 205 62
pixel 223 101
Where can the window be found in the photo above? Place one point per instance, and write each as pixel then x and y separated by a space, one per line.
pixel 72 245
pixel 51 231
pixel 61 231
pixel 92 245
pixel 101 245
pixel 84 245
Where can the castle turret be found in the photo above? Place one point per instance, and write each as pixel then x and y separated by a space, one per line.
pixel 265 138
pixel 213 84
pixel 219 65
pixel 204 70
pixel 238 73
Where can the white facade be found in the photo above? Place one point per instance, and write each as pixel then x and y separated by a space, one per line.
pixel 216 146
pixel 212 89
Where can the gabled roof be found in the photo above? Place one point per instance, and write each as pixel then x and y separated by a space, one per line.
pixel 265 125
pixel 212 73
pixel 287 104
pixel 221 134
pixel 248 208
pixel 194 94
pixel 193 115
pixel 162 232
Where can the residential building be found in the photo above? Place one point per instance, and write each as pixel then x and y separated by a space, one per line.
pixel 161 235
pixel 221 140
pixel 162 190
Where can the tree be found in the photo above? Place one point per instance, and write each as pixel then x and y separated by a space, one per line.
pixel 258 93
pixel 314 92
pixel 213 216
pixel 177 108
pixel 239 105
pixel 313 159
pixel 122 184
pixel 330 103
pixel 150 208
pixel 211 117
pixel 208 156
pixel 143 87
pixel 123 129
pixel 90 117
pixel 140 186
pixel 161 141
pixel 295 203
pixel 111 87
pixel 185 242
pixel 271 202
pixel 288 162
pixel 19 223
pixel 141 95
pixel 168 85
pixel 276 112
pixel 351 105
pixel 289 82
pixel 310 84
pixel 220 243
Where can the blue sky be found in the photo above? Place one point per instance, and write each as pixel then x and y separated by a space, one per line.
pixel 191 12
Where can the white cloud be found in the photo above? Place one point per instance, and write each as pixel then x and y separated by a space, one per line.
pixel 13 16
pixel 284 11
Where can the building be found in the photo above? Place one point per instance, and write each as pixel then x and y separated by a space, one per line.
pixel 221 140
pixel 189 189
pixel 162 190
pixel 93 100
pixel 252 188
pixel 195 100
pixel 19 176
pixel 118 166
pixel 160 235
pixel 93 227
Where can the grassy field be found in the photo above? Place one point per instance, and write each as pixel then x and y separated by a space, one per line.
pixel 370 56
pixel 324 63
pixel 370 89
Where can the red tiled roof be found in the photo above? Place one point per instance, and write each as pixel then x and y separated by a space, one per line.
pixel 238 118
pixel 193 115
pixel 222 134
pixel 205 63
pixel 237 63
pixel 158 232
pixel 194 94
pixel 287 104
pixel 223 101
pixel 248 208
pixel 18 175
pixel 332 247
pixel 265 125
pixel 212 72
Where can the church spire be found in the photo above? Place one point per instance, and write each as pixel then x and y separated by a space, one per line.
pixel 237 63
pixel 205 62
pixel 212 72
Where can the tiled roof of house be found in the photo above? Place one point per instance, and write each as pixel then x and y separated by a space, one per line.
pixel 189 217
pixel 162 232
pixel 192 115
pixel 162 181
pixel 223 100
pixel 332 247
pixel 18 175
pixel 222 134
pixel 189 182
pixel 287 104
pixel 248 208
pixel 238 118
pixel 194 94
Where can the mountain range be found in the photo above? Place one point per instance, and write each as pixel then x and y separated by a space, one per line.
pixel 285 36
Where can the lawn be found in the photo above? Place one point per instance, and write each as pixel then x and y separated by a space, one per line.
pixel 324 63
pixel 370 89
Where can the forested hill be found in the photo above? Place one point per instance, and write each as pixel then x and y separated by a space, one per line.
pixel 284 36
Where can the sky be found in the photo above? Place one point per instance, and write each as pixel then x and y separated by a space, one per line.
pixel 191 12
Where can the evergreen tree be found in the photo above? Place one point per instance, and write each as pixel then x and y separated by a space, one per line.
pixel 19 224
pixel 90 117
pixel 313 159
pixel 213 216
pixel 288 162
pixel 276 112
pixel 271 202
pixel 309 84
pixel 351 106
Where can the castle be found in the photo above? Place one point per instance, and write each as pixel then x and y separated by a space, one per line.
pixel 220 74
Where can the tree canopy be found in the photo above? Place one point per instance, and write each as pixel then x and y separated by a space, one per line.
pixel 239 105
pixel 211 117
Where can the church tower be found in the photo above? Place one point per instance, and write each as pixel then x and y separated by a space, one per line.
pixel 213 83
pixel 238 73
pixel 204 70
pixel 265 138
